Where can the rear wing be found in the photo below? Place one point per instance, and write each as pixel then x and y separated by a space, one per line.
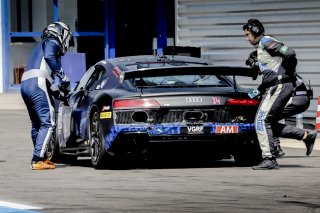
pixel 192 70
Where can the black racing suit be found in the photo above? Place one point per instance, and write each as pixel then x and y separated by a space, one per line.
pixel 298 103
pixel 277 65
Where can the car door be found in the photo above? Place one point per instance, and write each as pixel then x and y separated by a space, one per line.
pixel 82 103
pixel 66 119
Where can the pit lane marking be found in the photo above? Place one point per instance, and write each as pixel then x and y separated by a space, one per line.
pixel 10 207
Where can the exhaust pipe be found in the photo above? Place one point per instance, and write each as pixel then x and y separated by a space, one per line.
pixel 194 115
pixel 140 116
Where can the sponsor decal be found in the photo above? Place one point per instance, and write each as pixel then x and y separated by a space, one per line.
pixel 195 129
pixel 104 82
pixel 193 99
pixel 283 50
pixel 115 74
pixel 301 92
pixel 116 71
pixel 105 115
pixel 260 121
pixel 227 129
pixel 216 100
pixel 105 108
pixel 271 44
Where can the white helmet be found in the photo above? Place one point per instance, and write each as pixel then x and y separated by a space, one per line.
pixel 62 32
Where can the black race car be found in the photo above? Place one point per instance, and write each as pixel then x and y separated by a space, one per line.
pixel 134 106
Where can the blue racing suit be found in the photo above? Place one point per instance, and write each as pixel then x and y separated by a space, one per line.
pixel 277 65
pixel 42 80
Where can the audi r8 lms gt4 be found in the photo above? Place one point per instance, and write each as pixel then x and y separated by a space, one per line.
pixel 131 106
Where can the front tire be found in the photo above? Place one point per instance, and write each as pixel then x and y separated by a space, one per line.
pixel 53 151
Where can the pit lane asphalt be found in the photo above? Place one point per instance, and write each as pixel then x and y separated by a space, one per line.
pixel 203 187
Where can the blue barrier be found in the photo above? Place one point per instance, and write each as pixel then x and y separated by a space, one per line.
pixel 74 66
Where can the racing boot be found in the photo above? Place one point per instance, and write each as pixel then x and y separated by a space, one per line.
pixel 267 163
pixel 309 141
pixel 278 153
pixel 47 161
pixel 41 165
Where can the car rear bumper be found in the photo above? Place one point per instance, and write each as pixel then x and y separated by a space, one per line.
pixel 177 132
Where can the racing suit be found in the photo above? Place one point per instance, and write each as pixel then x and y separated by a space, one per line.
pixel 298 103
pixel 43 80
pixel 277 67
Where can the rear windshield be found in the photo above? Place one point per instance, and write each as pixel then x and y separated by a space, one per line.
pixel 182 81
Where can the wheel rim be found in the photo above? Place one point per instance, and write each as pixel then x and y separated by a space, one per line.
pixel 95 137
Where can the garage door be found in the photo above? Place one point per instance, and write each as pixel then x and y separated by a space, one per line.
pixel 216 27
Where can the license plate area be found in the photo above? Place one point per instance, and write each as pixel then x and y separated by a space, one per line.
pixel 195 129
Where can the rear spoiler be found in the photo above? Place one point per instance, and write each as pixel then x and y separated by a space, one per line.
pixel 192 70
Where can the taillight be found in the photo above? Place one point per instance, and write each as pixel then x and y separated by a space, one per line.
pixel 135 103
pixel 242 102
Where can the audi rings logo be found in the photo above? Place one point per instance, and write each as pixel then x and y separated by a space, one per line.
pixel 193 100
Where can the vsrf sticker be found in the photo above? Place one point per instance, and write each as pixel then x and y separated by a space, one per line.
pixel 105 115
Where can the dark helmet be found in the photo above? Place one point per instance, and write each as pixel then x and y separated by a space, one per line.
pixel 254 26
pixel 60 31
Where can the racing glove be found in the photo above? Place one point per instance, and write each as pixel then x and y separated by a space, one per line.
pixel 60 82
pixel 61 85
pixel 252 59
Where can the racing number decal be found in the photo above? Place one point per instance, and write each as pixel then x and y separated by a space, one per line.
pixel 105 115
pixel 227 129
pixel 216 101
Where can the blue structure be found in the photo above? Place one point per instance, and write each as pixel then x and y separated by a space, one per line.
pixel 108 33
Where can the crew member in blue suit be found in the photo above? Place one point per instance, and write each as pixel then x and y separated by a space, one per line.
pixel 44 80
pixel 277 65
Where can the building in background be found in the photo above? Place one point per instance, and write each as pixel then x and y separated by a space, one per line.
pixel 102 29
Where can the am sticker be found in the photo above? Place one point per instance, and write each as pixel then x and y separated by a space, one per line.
pixel 227 129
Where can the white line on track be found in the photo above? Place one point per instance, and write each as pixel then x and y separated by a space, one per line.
pixel 17 205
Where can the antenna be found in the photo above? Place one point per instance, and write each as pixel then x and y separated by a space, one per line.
pixel 235 84
pixel 141 91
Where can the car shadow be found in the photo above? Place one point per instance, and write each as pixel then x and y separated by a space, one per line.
pixel 160 164
pixel 298 156
pixel 295 166
pixel 193 164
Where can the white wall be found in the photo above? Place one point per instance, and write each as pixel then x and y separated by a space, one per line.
pixel 1 54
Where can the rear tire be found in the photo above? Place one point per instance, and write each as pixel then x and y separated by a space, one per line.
pixel 98 152
pixel 248 153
